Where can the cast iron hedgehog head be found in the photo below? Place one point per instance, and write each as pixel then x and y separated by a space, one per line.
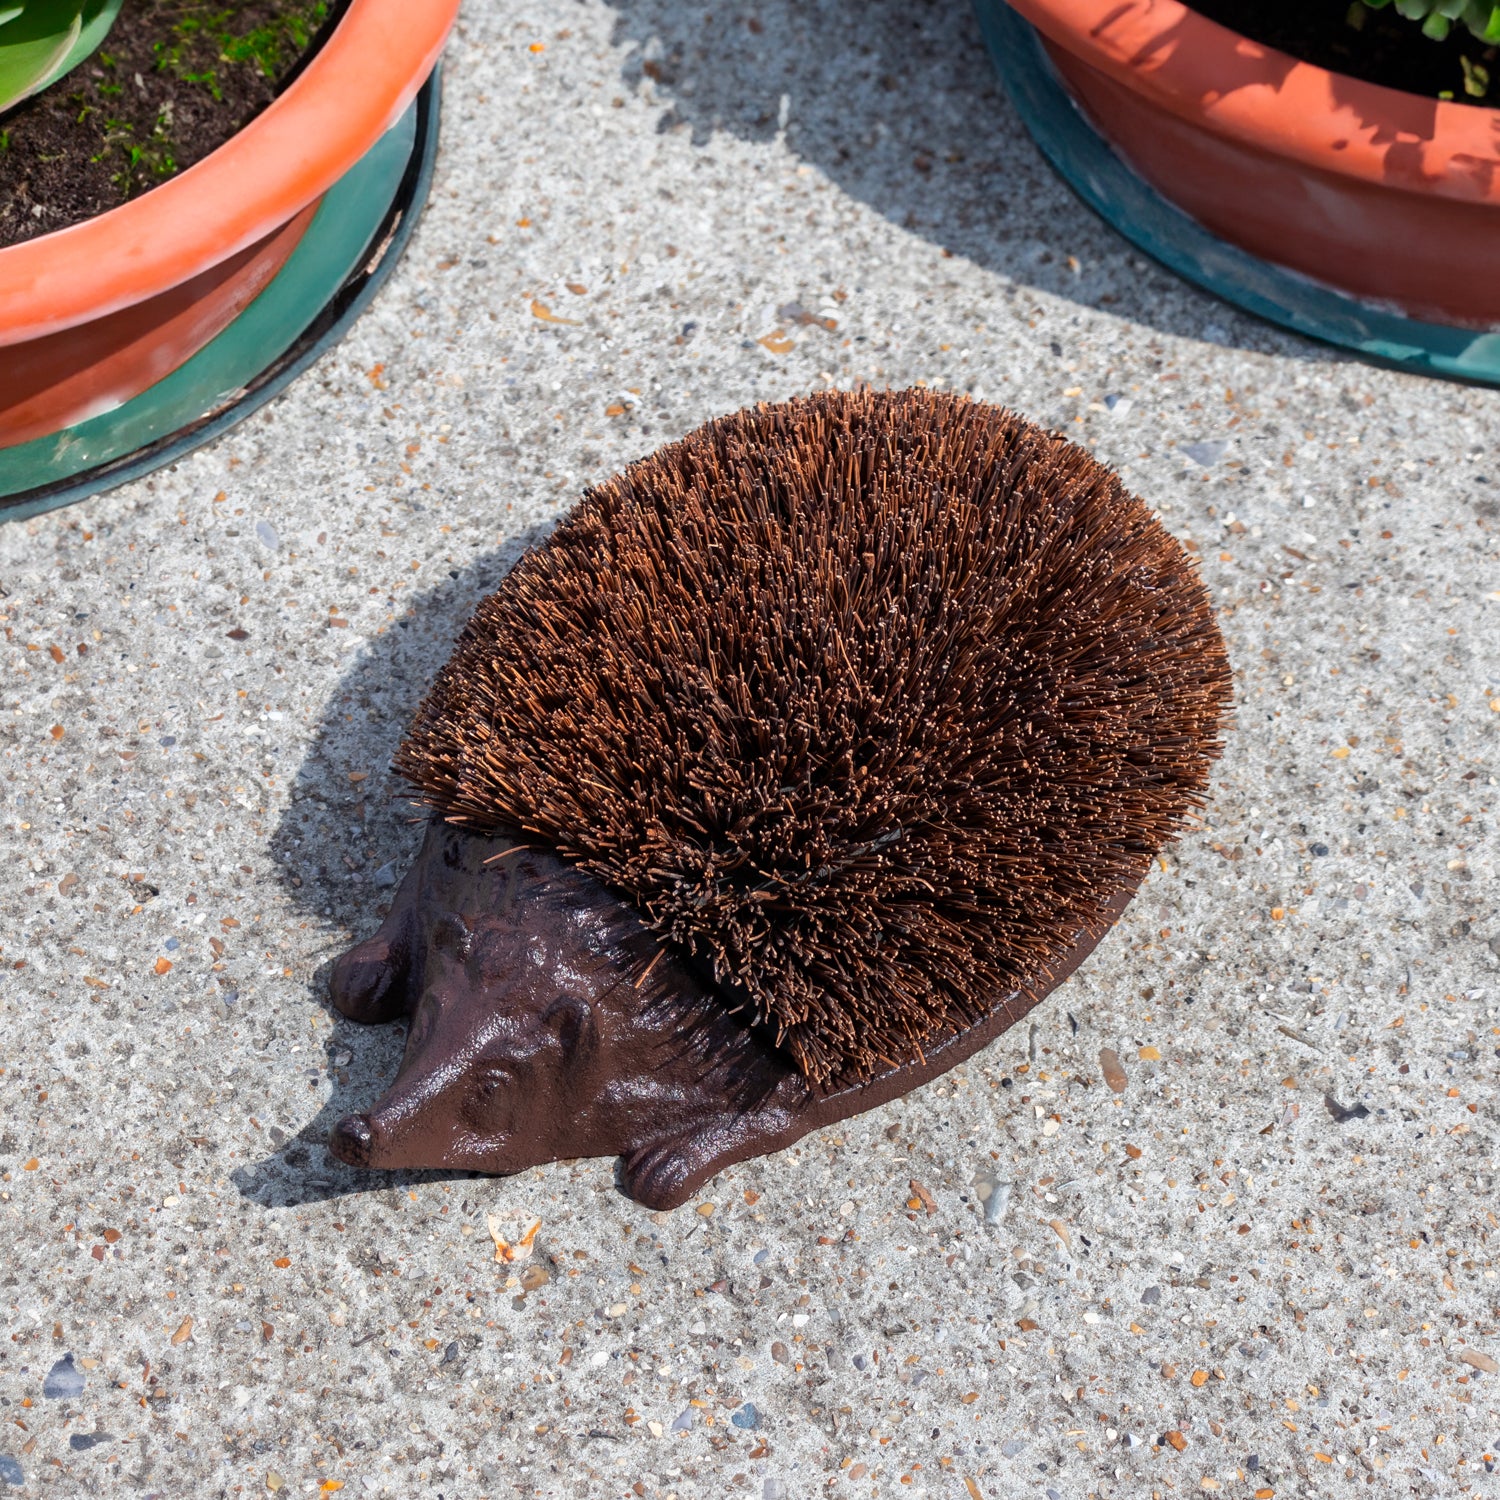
pixel 805 756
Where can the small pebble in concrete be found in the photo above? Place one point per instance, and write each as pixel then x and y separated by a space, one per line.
pixel 11 1471
pixel 995 1195
pixel 1342 1113
pixel 747 1417
pixel 64 1379
pixel 1114 1075
pixel 1205 454
pixel 81 1442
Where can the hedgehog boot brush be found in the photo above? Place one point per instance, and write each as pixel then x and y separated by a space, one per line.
pixel 805 757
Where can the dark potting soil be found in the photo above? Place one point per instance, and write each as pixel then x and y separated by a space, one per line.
pixel 174 80
pixel 1385 48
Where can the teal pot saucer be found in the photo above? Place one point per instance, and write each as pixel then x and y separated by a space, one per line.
pixel 1085 161
pixel 352 244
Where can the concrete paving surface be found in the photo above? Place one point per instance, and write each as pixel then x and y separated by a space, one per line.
pixel 1222 1220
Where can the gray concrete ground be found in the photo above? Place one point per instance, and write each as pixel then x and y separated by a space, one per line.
pixel 1264 1265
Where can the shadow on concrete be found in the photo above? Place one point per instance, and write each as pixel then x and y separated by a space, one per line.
pixel 341 847
pixel 897 102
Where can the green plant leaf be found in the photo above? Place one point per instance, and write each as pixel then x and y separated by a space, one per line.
pixel 40 40
pixel 96 18
pixel 34 43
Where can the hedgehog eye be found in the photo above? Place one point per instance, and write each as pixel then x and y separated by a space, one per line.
pixel 491 1079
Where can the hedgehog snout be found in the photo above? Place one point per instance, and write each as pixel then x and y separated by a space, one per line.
pixel 351 1140
pixel 384 1137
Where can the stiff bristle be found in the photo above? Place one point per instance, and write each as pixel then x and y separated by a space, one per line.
pixel 870 702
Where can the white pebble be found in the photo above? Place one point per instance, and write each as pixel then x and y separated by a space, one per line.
pixel 997 1202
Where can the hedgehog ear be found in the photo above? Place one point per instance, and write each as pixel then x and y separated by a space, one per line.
pixel 572 1019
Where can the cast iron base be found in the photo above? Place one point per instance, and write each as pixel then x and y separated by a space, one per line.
pixel 545 1023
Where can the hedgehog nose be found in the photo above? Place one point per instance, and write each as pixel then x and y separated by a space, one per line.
pixel 351 1140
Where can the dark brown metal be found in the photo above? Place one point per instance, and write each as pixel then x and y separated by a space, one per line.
pixel 546 1023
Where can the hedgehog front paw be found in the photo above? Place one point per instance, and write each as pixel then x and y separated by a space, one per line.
pixel 666 1173
pixel 369 981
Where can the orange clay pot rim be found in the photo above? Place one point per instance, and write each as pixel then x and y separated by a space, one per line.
pixel 357 85
pixel 1180 60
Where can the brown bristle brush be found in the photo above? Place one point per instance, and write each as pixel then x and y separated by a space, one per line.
pixel 805 757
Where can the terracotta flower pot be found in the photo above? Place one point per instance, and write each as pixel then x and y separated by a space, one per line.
pixel 1383 196
pixel 92 315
